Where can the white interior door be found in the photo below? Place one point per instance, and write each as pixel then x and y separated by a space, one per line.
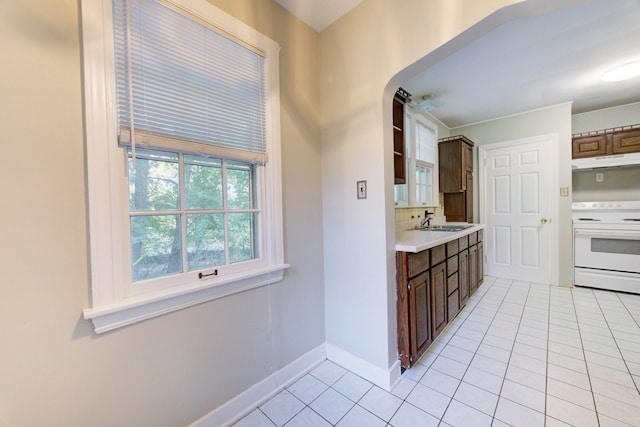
pixel 518 199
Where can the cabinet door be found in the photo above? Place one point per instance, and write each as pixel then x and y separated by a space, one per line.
pixel 420 333
pixel 588 146
pixel 402 309
pixel 467 158
pixel 449 166
pixel 473 269
pixel 627 141
pixel 454 206
pixel 438 299
pixel 463 276
pixel 468 205
pixel 398 142
pixel 480 263
pixel 453 305
pixel 453 298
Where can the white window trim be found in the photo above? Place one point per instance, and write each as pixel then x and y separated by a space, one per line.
pixel 410 123
pixel 111 308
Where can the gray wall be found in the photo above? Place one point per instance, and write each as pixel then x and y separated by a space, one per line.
pixel 171 370
pixel 619 183
pixel 556 120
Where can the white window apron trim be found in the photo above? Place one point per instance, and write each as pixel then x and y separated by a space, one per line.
pixel 136 309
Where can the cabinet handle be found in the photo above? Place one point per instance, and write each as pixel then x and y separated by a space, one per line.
pixel 544 220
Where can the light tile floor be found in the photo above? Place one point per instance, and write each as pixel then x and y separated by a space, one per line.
pixel 518 354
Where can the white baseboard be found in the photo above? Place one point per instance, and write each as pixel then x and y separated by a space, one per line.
pixel 383 378
pixel 241 405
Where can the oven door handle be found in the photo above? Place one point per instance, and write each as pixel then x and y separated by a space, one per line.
pixel 609 234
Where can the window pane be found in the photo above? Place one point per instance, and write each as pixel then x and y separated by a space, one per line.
pixel 205 240
pixel 239 185
pixel 423 184
pixel 153 181
pixel 241 237
pixel 155 246
pixel 203 182
pixel 400 194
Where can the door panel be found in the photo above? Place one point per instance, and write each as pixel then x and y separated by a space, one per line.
pixel 473 269
pixel 530 247
pixel 529 186
pixel 502 186
pixel 502 246
pixel 463 276
pixel 518 201
pixel 438 299
pixel 420 334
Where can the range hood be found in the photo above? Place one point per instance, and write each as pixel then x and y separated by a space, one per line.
pixel 616 160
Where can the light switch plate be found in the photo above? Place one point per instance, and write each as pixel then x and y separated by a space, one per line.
pixel 564 191
pixel 362 189
pixel 600 177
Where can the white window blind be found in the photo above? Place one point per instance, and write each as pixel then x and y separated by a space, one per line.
pixel 425 143
pixel 192 88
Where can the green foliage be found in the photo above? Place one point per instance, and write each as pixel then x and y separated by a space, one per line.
pixel 156 240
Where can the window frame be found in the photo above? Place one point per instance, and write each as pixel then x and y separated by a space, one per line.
pixel 112 305
pixel 411 122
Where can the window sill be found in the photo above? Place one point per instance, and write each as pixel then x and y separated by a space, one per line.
pixel 139 308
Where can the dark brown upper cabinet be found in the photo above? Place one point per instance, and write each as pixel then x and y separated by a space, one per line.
pixel 455 155
pixel 399 163
pixel 605 143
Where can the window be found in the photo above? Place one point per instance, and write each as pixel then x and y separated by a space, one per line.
pixel 183 149
pixel 421 188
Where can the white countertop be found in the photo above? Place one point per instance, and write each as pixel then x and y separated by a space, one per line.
pixel 418 240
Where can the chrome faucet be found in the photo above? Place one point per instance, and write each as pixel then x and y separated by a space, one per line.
pixel 426 220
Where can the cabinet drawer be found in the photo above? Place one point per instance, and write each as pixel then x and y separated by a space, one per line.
pixel 480 235
pixel 626 141
pixel 452 248
pixel 452 265
pixel 463 243
pixel 437 255
pixel 453 305
pixel 417 263
pixel 473 238
pixel 589 146
pixel 452 283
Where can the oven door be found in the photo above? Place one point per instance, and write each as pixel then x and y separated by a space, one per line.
pixel 614 250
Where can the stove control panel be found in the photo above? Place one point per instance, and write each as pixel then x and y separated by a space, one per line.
pixel 622 205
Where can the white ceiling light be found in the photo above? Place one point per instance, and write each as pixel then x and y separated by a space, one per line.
pixel 623 72
pixel 425 103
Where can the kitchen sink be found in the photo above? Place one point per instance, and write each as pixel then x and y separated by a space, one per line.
pixel 445 227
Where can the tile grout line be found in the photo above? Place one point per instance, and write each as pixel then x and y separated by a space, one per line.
pixel 616 341
pixel 575 309
pixel 497 295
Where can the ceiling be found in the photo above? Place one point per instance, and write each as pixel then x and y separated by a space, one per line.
pixel 530 63
pixel 319 14
pixel 537 62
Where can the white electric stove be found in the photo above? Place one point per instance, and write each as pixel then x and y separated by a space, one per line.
pixel 606 248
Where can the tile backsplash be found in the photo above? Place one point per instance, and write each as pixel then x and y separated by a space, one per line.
pixel 412 214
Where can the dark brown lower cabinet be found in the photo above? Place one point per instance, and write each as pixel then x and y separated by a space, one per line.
pixel 480 262
pixel 453 300
pixel 438 299
pixel 463 276
pixel 419 314
pixel 473 268
pixel 413 305
pixel 432 287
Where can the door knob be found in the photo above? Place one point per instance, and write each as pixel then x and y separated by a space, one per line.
pixel 544 220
